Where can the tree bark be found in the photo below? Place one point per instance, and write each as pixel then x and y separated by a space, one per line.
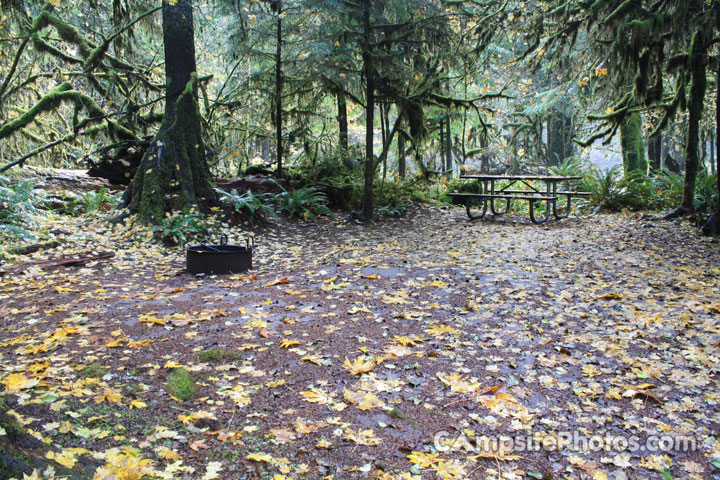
pixel 401 156
pixel 633 150
pixel 343 123
pixel 448 147
pixel 174 173
pixel 655 152
pixel 369 70
pixel 279 90
pixel 712 226
pixel 695 108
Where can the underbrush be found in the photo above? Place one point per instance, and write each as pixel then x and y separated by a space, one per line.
pixel 19 203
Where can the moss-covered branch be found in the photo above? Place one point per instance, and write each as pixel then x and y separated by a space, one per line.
pixel 50 101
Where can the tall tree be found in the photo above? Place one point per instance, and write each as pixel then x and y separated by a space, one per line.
pixel 649 41
pixel 174 172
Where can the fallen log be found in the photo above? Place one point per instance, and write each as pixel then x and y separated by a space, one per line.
pixel 69 261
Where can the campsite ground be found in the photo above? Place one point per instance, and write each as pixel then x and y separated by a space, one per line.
pixel 349 350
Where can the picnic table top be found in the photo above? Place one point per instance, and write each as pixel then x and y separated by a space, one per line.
pixel 545 178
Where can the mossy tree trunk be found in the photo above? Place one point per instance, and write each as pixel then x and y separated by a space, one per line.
pixel 695 107
pixel 369 70
pixel 279 88
pixel 712 226
pixel 559 128
pixel 174 172
pixel 343 123
pixel 401 156
pixel 631 141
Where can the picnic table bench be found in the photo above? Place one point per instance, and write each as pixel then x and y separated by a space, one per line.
pixel 490 192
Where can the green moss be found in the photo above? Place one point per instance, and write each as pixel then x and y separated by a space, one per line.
pixel 631 140
pixel 93 371
pixel 180 384
pixel 216 355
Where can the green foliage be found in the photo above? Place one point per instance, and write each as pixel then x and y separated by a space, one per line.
pixel 248 205
pixel 571 167
pixel 669 186
pixel 180 384
pixel 18 202
pixel 178 227
pixel 94 202
pixel 393 198
pixel 305 202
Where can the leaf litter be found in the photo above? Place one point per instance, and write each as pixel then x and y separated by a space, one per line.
pixel 356 345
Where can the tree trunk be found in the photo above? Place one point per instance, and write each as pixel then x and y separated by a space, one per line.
pixel 655 152
pixel 713 170
pixel 633 149
pixel 695 108
pixel 343 123
pixel 559 128
pixel 401 156
pixel 367 207
pixel 712 226
pixel 174 172
pixel 448 147
pixel 279 90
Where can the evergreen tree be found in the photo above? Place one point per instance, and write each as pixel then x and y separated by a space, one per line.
pixel 174 173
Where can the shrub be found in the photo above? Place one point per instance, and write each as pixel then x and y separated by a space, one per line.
pixel 18 202
pixel 96 201
pixel 178 227
pixel 248 205
pixel 305 202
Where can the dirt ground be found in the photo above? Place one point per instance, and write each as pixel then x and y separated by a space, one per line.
pixel 386 351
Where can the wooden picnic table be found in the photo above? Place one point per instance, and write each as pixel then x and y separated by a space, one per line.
pixel 525 190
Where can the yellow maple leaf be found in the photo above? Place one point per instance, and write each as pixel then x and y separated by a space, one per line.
pixel 316 395
pixel 457 383
pixel 362 437
pixel 108 395
pixel 66 458
pixel 167 454
pixel 359 365
pixel 17 381
pixel 408 341
pixel 260 457
pixel 288 343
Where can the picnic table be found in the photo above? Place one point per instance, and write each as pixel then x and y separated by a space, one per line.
pixel 520 187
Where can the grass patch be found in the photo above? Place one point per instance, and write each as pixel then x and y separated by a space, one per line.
pixel 180 384
pixel 217 355
pixel 93 371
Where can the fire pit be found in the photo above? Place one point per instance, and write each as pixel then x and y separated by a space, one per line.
pixel 220 259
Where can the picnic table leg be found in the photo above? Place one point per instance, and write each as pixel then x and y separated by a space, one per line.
pixel 483 209
pixel 547 211
pixel 492 202
pixel 495 212
pixel 568 209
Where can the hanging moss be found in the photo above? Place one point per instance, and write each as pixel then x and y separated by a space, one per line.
pixel 50 102
pixel 631 140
